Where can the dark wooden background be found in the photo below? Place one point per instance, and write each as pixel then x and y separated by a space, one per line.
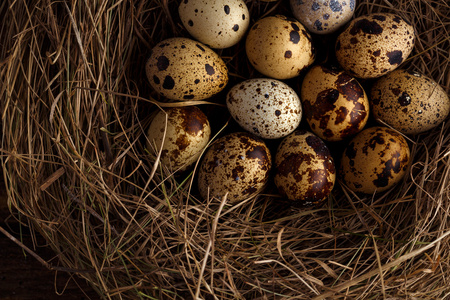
pixel 22 277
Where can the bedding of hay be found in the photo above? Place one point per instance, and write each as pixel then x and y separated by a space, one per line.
pixel 75 108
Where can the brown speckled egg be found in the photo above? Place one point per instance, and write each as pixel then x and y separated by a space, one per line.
pixel 409 102
pixel 323 16
pixel 183 69
pixel 218 24
pixel 374 160
pixel 187 134
pixel 305 171
pixel 335 104
pixel 279 47
pixel 265 107
pixel 238 163
pixel 375 44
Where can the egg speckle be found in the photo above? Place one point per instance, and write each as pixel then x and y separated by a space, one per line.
pixel 375 44
pixel 218 24
pixel 335 104
pixel 375 160
pixel 323 16
pixel 183 69
pixel 265 107
pixel 187 132
pixel 304 169
pixel 279 47
pixel 238 164
pixel 409 102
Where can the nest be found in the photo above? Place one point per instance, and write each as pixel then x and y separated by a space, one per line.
pixel 75 109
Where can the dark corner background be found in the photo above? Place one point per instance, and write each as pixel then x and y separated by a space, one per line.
pixel 22 277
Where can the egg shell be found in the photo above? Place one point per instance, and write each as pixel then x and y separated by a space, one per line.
pixel 265 107
pixel 218 24
pixel 375 160
pixel 375 44
pixel 409 102
pixel 186 134
pixel 238 163
pixel 323 16
pixel 304 169
pixel 183 69
pixel 279 47
pixel 335 104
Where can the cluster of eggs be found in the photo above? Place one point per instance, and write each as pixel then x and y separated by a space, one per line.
pixel 332 100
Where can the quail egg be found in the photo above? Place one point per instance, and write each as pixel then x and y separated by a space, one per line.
pixel 409 102
pixel 279 47
pixel 265 107
pixel 375 160
pixel 375 44
pixel 187 132
pixel 183 69
pixel 335 104
pixel 238 164
pixel 323 16
pixel 218 24
pixel 304 169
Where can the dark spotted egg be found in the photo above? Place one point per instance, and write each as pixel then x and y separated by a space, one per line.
pixel 279 47
pixel 266 107
pixel 238 164
pixel 218 24
pixel 409 102
pixel 183 69
pixel 375 160
pixel 335 104
pixel 323 16
pixel 375 44
pixel 183 137
pixel 304 169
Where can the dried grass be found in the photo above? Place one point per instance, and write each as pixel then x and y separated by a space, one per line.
pixel 75 107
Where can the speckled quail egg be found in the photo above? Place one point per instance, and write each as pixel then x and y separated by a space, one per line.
pixel 323 16
pixel 187 132
pixel 375 160
pixel 375 44
pixel 238 164
pixel 304 169
pixel 409 102
pixel 218 24
pixel 183 69
pixel 279 47
pixel 335 104
pixel 265 107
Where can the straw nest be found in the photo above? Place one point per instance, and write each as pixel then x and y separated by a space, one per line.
pixel 75 108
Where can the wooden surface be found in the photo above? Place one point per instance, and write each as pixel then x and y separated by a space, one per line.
pixel 22 277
